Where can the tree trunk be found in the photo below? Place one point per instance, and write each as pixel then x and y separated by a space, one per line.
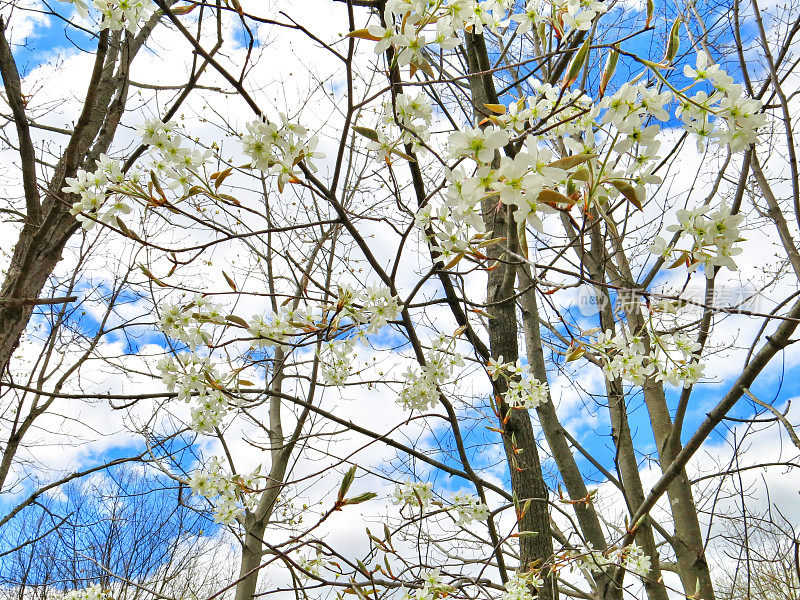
pixel 688 538
pixel 519 441
pixel 251 557
pixel 588 520
pixel 627 465
pixel 36 254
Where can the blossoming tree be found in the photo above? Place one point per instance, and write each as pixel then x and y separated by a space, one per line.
pixel 403 260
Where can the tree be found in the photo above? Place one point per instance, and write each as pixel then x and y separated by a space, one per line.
pixel 456 173
pixel 763 555
pixel 130 533
pixel 42 225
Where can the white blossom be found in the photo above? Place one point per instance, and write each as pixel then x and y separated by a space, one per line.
pixel 92 592
pixel 468 508
pixel 413 493
pixel 231 494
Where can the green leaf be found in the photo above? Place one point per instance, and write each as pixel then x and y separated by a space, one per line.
pixel 548 196
pixel 682 259
pixel 152 277
pixel 575 353
pixel 237 321
pixel 388 566
pixel 368 133
pixel 387 535
pixel 363 34
pixel 581 175
pixel 570 162
pixel 155 183
pixel 362 567
pixel 360 498
pixel 424 66
pixel 127 232
pixel 220 177
pixel 230 281
pixel 347 481
pixel 577 64
pixel 674 43
pixel 491 242
pixel 496 108
pixel 183 10
pixel 230 199
pixel 194 190
pixel 627 190
pixel 237 7
pixel 403 155
pixel 454 262
pixel 608 71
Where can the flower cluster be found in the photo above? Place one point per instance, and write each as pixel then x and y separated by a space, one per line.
pixel 406 120
pixel 184 322
pixel 311 566
pixel 117 15
pixel 279 329
pixel 336 357
pixel 233 494
pixel 580 14
pixel 449 235
pixel 612 151
pixel 625 357
pixel 477 144
pixel 524 182
pixel 421 389
pixel 517 183
pixel 177 165
pixel 631 558
pixel 629 111
pixel 413 493
pixel 433 587
pixel 280 148
pixel 676 359
pixel 713 236
pixel 518 587
pixel 419 392
pixel 378 307
pixel 367 310
pixel 103 193
pixel 93 592
pixel 93 191
pixel 123 14
pixel 737 119
pixel 197 380
pixel 672 358
pixel 468 508
pixel 524 390
pixel 412 26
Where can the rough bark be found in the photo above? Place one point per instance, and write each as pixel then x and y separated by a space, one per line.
pixel 48 227
pixel 519 440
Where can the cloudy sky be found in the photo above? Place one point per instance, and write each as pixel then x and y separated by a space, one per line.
pixel 292 75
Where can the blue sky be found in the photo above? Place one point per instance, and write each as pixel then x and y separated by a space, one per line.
pixel 49 38
pixel 56 36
